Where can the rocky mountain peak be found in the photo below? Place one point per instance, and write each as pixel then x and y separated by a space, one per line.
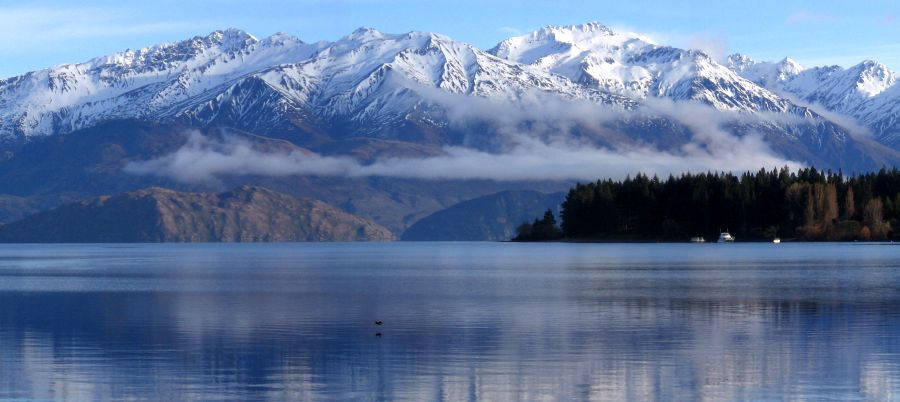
pixel 364 34
pixel 231 39
pixel 789 67
pixel 280 39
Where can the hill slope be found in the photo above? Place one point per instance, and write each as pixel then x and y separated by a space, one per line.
pixel 492 217
pixel 245 214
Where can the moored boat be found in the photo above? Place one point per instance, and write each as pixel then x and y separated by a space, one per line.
pixel 725 237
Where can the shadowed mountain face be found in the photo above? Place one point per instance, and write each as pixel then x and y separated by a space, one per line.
pixel 13 208
pixel 50 171
pixel 492 217
pixel 245 214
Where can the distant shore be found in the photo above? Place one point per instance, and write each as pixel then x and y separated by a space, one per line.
pixel 668 241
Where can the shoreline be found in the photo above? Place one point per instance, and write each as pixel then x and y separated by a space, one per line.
pixel 754 241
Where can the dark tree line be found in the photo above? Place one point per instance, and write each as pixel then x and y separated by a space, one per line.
pixel 808 204
pixel 542 229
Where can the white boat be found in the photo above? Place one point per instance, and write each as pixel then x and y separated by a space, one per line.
pixel 776 240
pixel 725 237
pixel 698 240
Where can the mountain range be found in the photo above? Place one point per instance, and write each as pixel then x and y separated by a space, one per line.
pixel 865 92
pixel 407 87
pixel 392 123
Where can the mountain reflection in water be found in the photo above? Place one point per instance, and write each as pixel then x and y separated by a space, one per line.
pixel 463 321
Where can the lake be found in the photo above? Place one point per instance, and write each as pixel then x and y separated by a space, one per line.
pixel 462 321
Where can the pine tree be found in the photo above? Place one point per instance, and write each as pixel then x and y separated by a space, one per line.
pixel 806 204
pixel 830 212
pixel 849 205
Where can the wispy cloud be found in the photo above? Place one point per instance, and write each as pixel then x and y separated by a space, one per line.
pixel 206 160
pixel 537 138
pixel 715 45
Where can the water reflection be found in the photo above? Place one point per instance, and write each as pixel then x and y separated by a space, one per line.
pixel 462 322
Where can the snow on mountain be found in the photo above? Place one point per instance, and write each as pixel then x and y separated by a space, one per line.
pixel 866 91
pixel 378 85
pixel 631 65
pixel 405 86
pixel 230 76
pixel 136 83
pixel 836 88
pixel 881 113
pixel 350 72
pixel 764 73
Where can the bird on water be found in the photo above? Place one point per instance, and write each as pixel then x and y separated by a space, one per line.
pixel 379 322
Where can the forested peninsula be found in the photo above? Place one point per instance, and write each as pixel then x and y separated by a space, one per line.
pixel 807 204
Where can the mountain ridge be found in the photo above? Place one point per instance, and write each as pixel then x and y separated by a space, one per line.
pixel 243 214
pixel 867 92
pixel 492 217
pixel 409 87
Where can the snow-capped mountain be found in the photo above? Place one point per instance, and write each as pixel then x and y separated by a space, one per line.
pixel 378 84
pixel 406 86
pixel 836 88
pixel 866 91
pixel 136 83
pixel 230 77
pixel 632 65
pixel 764 73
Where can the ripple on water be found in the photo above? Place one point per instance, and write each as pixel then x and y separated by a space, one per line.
pixel 491 321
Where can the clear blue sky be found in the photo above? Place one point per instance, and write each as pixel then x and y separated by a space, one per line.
pixel 40 33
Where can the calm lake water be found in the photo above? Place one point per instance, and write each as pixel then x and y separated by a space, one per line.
pixel 462 321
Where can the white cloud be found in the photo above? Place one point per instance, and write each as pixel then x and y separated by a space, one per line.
pixel 536 141
pixel 206 160
pixel 715 45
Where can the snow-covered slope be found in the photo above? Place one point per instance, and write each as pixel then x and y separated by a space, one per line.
pixel 136 83
pixel 231 77
pixel 375 81
pixel 410 87
pixel 881 114
pixel 631 65
pixel 836 88
pixel 764 73
pixel 866 91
